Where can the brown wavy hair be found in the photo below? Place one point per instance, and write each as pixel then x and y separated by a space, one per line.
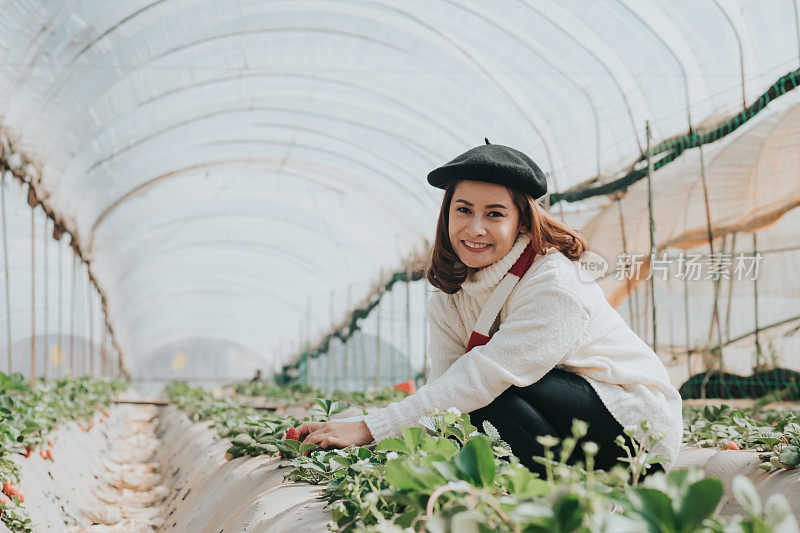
pixel 446 271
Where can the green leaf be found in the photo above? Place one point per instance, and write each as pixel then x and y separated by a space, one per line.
pixel 393 444
pixel 476 462
pixel 790 456
pixel 656 508
pixel 700 502
pixel 567 513
pixel 305 447
pixel 413 437
pixel 444 447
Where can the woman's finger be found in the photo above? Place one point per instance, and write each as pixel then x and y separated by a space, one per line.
pixel 306 428
pixel 316 437
pixel 332 442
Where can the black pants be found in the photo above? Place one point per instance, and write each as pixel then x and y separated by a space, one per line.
pixel 547 408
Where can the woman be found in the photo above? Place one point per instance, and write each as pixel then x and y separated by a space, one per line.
pixel 518 336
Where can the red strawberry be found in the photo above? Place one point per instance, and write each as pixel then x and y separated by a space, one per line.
pixel 732 446
pixel 28 451
pixel 406 386
pixel 8 488
pixel 43 453
pixel 3 501
pixel 291 434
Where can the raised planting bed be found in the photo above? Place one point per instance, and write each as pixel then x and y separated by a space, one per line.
pixel 449 476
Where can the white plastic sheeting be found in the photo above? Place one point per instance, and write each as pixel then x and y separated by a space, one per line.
pixel 225 164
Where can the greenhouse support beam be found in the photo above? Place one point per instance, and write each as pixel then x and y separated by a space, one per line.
pixel 32 376
pixel 5 265
pixel 29 174
pixel 741 49
pixel 618 198
pixel 715 311
pixel 652 229
pixel 46 343
pixel 72 319
pixel 409 370
pixel 377 380
pixel 755 307
pixel 675 146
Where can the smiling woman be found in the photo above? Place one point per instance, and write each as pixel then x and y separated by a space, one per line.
pixel 519 338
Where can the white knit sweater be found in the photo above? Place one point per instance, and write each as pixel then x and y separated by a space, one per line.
pixel 552 318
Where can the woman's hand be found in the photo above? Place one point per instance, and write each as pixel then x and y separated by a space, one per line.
pixel 334 434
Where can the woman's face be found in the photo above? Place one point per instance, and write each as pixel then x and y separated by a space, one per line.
pixel 484 214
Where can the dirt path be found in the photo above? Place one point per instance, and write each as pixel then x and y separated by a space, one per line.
pixel 128 491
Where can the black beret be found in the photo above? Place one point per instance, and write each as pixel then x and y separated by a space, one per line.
pixel 494 163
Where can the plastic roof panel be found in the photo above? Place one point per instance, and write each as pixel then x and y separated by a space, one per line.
pixel 223 162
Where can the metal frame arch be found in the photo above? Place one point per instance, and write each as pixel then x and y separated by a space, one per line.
pixel 677 38
pixel 546 140
pixel 410 142
pixel 55 95
pixel 240 244
pixel 561 18
pixel 190 142
pixel 223 162
pixel 133 241
pixel 549 58
pixel 740 26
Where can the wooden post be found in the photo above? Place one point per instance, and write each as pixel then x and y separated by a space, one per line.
pixel 33 297
pixel 409 369
pixel 5 266
pixel 72 318
pixel 91 330
pixel 346 335
pixel 377 381
pixel 46 358
pixel 715 311
pixel 329 355
pixel 653 248
pixel 755 307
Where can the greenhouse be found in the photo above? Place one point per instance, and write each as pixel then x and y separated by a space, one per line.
pixel 252 279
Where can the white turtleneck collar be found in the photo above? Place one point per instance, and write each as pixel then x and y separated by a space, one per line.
pixel 487 277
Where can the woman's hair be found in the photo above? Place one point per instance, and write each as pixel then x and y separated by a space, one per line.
pixel 446 271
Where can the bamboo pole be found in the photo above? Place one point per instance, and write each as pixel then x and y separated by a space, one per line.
pixel 755 307
pixel 329 355
pixel 72 318
pixel 33 298
pixel 5 267
pixel 715 311
pixel 652 226
pixel 409 369
pixel 377 381
pixel 46 359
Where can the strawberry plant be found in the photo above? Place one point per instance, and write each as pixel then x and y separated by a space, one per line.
pixel 774 434
pixel 27 415
pixel 446 475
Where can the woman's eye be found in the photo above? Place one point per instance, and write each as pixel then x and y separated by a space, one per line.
pixel 498 212
pixel 460 208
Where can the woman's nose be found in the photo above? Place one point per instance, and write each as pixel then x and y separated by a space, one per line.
pixel 476 226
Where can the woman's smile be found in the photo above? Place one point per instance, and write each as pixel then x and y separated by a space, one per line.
pixel 483 222
pixel 476 248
